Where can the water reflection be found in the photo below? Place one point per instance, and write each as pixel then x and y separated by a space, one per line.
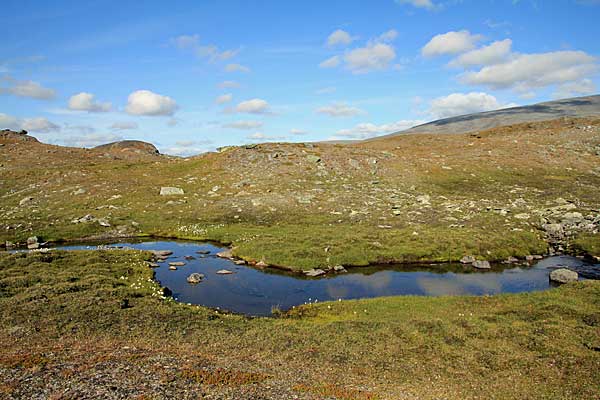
pixel 256 292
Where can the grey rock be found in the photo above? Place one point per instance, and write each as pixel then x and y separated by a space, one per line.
pixel 314 272
pixel 176 264
pixel 468 260
pixel 195 278
pixel 225 254
pixel 481 265
pixel 85 218
pixel 313 159
pixel 512 260
pixel 563 275
pixel 225 272
pixel 339 268
pixel 26 200
pixel 162 253
pixel 32 242
pixel 78 192
pixel 104 222
pixel 171 191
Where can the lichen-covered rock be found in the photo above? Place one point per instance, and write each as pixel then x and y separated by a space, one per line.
pixel 563 275
pixel 171 191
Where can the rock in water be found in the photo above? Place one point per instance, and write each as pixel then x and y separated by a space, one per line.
pixel 195 278
pixel 467 260
pixel 176 264
pixel 171 191
pixel 481 265
pixel 563 275
pixel 314 272
pixel 224 272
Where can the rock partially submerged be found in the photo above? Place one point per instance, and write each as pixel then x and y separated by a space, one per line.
pixel 314 272
pixel 176 264
pixel 225 272
pixel 468 260
pixel 481 265
pixel 563 275
pixel 195 278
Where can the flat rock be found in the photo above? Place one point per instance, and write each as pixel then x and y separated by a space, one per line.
pixel 468 260
pixel 225 272
pixel 314 272
pixel 176 264
pixel 162 253
pixel 225 254
pixel 171 191
pixel 172 268
pixel 563 275
pixel 481 264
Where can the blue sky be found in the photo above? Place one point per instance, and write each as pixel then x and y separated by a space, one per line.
pixel 190 76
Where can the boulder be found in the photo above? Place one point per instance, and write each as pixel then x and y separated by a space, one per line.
pixel 32 242
pixel 481 265
pixel 339 268
pixel 563 275
pixel 171 191
pixel 195 278
pixel 225 254
pixel 468 260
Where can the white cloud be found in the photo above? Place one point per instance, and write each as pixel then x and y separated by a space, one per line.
pixel 236 68
pixel 91 140
pixel 339 37
pixel 86 102
pixel 369 130
pixel 572 89
pixel 258 136
pixel 331 62
pixel 224 98
pixel 36 125
pixel 122 126
pixel 209 51
pixel 524 72
pixel 228 85
pixel 253 106
pixel 298 132
pixel 450 43
pixel 243 125
pixel 461 104
pixel 340 110
pixel 145 102
pixel 375 56
pixel 388 36
pixel 29 89
pixel 427 4
pixel 493 53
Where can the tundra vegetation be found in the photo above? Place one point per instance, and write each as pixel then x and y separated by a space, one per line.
pixel 96 324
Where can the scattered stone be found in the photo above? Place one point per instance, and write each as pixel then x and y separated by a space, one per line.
pixel 424 199
pixel 85 218
pixel 262 264
pixel 32 242
pixel 313 159
pixel 25 200
pixel 104 223
pixel 225 272
pixel 171 191
pixel 153 265
pixel 529 258
pixel 314 272
pixel 239 262
pixel 162 253
pixel 468 260
pixel 176 264
pixel 339 268
pixel 195 278
pixel 225 254
pixel 512 260
pixel 481 264
pixel 563 275
pixel 523 216
pixel 78 192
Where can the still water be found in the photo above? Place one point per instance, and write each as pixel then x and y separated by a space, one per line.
pixel 256 292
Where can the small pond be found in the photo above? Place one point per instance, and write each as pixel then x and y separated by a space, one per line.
pixel 256 292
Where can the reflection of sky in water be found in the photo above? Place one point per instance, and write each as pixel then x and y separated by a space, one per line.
pixel 255 292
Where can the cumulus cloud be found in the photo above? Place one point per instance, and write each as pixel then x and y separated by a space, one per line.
pixel 450 43
pixel 464 103
pixel 91 140
pixel 259 136
pixel 524 72
pixel 339 37
pixel 29 89
pixel 36 125
pixel 228 85
pixel 572 89
pixel 331 62
pixel 224 98
pixel 491 54
pixel 388 36
pixel 236 68
pixel 87 102
pixel 145 102
pixel 340 110
pixel 253 106
pixel 374 56
pixel 369 130
pixel 123 126
pixel 427 4
pixel 210 51
pixel 243 125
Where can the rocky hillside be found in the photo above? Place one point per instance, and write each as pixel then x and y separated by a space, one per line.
pixel 519 190
pixel 578 107
pixel 125 147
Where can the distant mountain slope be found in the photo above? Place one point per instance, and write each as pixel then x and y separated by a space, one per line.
pixel 574 107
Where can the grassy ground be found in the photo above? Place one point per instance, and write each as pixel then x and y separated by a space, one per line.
pixel 415 197
pixel 94 324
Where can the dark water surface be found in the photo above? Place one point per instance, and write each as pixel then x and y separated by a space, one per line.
pixel 256 292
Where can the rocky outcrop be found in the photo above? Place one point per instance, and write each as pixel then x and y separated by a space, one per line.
pixel 125 147
pixel 7 135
